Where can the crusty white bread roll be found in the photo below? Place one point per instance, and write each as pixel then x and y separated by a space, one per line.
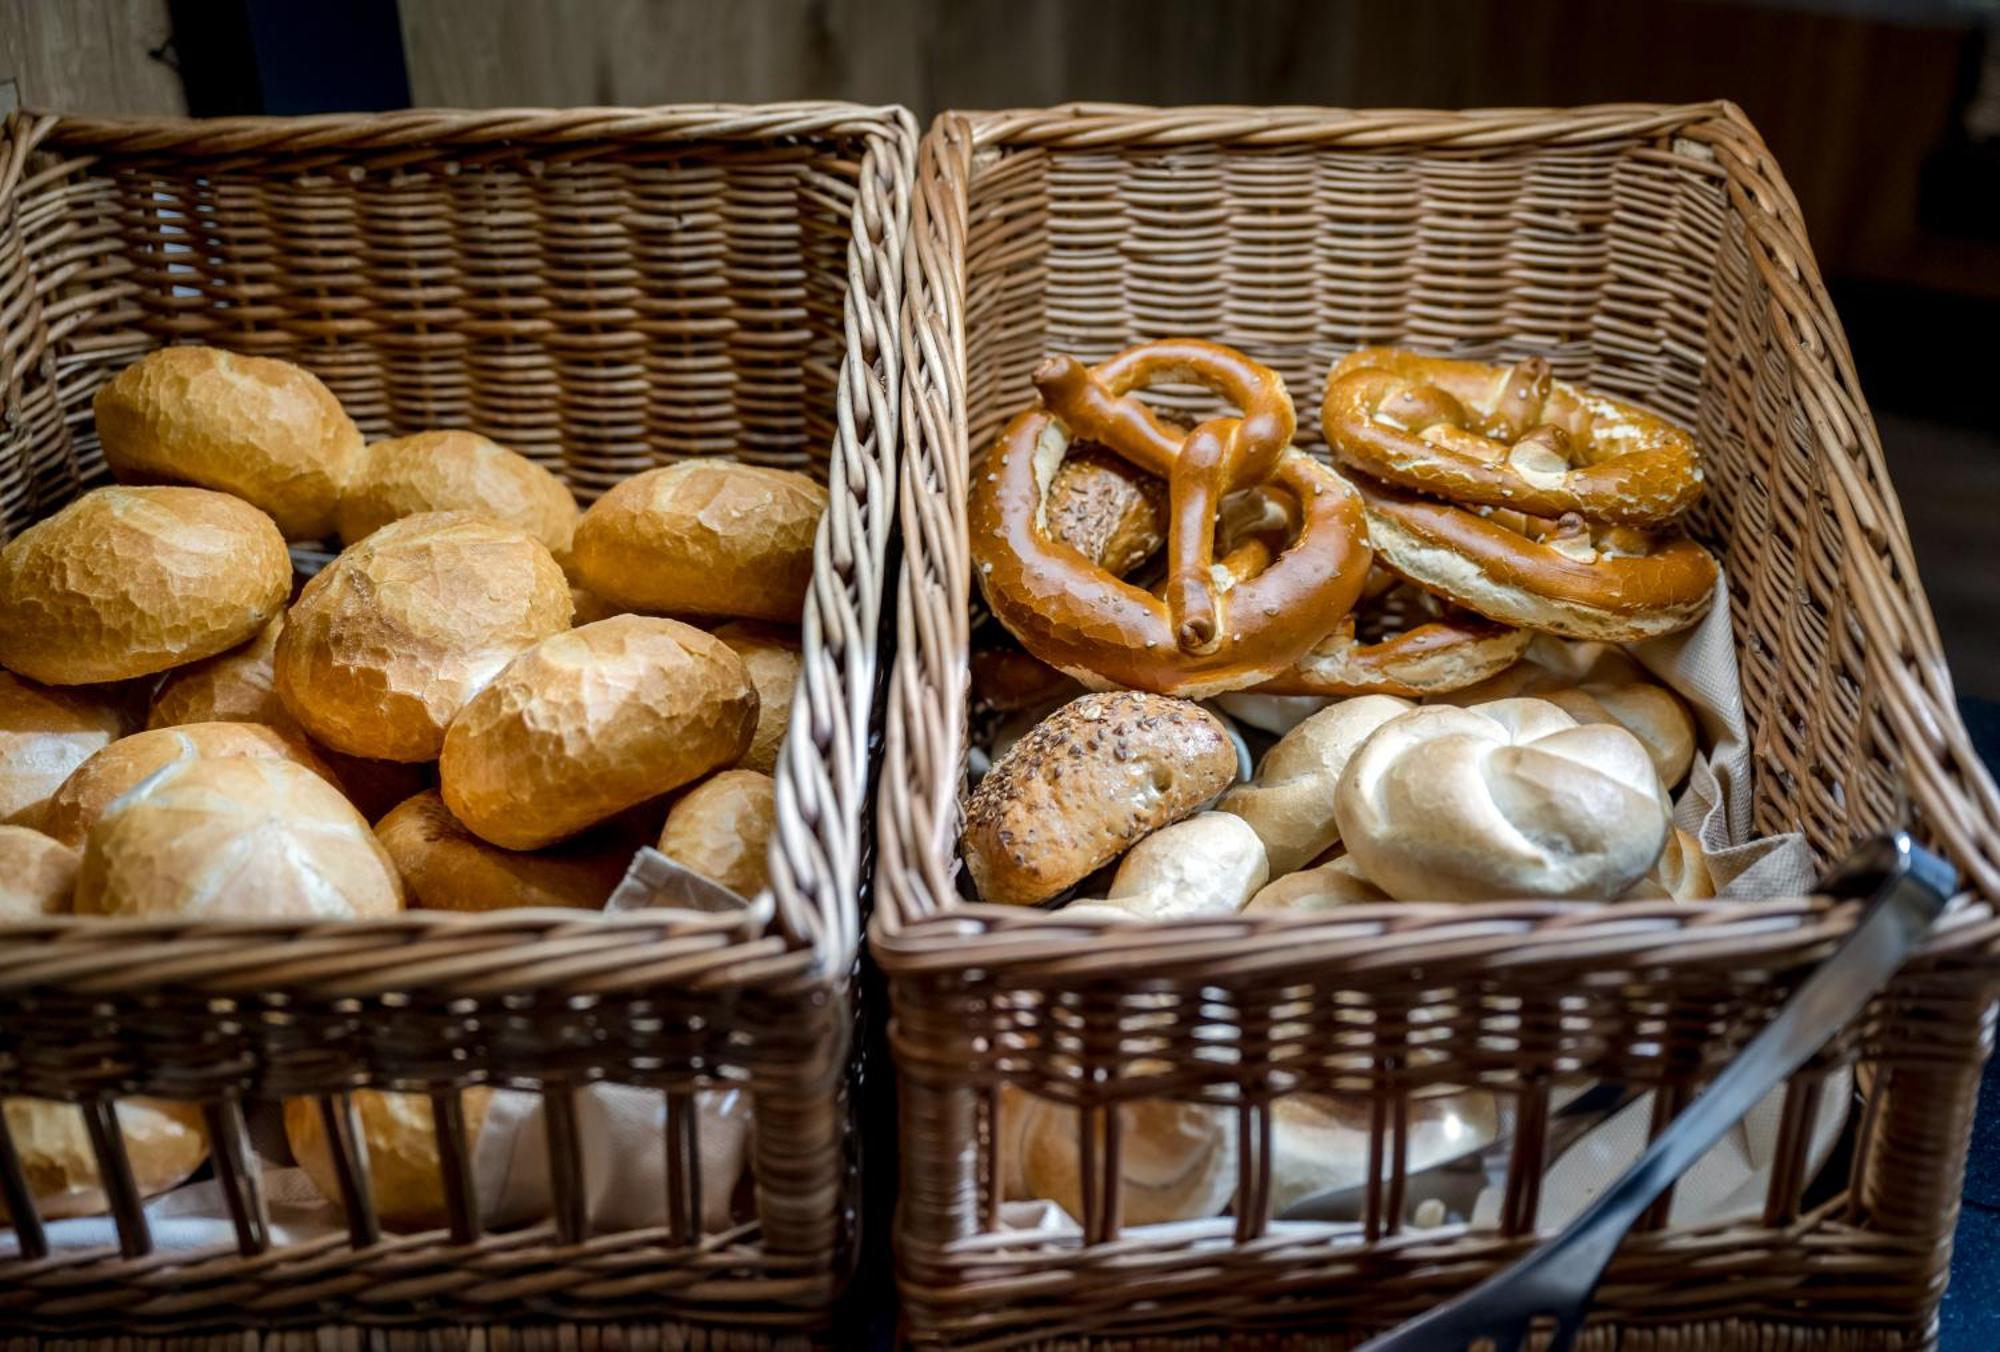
pixel 235 837
pixel 1085 783
pixel 1290 802
pixel 447 868
pixel 389 641
pixel 589 606
pixel 45 733
pixel 771 655
pixel 703 537
pixel 406 1181
pixel 1681 874
pixel 265 430
pixel 239 686
pixel 122 766
pixel 1336 883
pixel 37 874
pixel 1503 800
pixel 1177 1161
pixel 1319 1142
pixel 455 471
pixel 591 721
pixel 1277 714
pixel 127 582
pixel 1209 864
pixel 165 1143
pixel 722 827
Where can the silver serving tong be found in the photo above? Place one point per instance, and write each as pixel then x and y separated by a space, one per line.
pixel 1907 887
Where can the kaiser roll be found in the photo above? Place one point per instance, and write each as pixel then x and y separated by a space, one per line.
pixel 1502 800
pixel 1209 864
pixel 1290 802
pixel 1095 776
pixel 1177 1161
pixel 264 430
pixel 1331 885
pixel 127 582
pixel 447 868
pixel 127 762
pixel 238 838
pixel 46 733
pixel 164 1142
pixel 703 537
pixel 771 656
pixel 387 644
pixel 406 1181
pixel 37 874
pixel 591 721
pixel 722 828
pixel 455 472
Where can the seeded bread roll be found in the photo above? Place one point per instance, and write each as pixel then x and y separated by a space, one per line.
pixel 405 1180
pixel 703 537
pixel 721 828
pixel 45 733
pixel 771 656
pixel 392 638
pixel 164 1142
pixel 265 430
pixel 127 582
pixel 455 471
pixel 591 721
pixel 447 868
pixel 37 874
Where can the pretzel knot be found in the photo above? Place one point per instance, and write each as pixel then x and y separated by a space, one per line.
pixel 1203 636
pixel 1507 437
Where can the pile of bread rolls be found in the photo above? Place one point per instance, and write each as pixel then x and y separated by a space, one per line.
pixel 488 698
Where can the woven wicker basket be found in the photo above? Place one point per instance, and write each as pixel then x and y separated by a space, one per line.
pixel 603 289
pixel 1654 252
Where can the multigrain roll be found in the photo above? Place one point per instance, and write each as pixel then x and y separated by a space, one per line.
pixel 389 641
pixel 127 582
pixel 165 1143
pixel 37 874
pixel 455 471
pixel 703 537
pixel 265 430
pixel 721 829
pixel 771 655
pixel 406 1181
pixel 447 868
pixel 45 733
pixel 233 837
pixel 591 721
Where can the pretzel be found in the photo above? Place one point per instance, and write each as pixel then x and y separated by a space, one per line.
pixel 1506 436
pixel 1567 576
pixel 1195 641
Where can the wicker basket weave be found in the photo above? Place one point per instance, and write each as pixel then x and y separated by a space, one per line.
pixel 603 289
pixel 1653 252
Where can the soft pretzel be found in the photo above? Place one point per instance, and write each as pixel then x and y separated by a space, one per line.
pixel 1196 641
pixel 1507 436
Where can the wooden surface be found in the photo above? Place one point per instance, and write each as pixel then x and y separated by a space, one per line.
pixel 89 56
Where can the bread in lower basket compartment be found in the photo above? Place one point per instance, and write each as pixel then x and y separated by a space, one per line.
pixel 164 1142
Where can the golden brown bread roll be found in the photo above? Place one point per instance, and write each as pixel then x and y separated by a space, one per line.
pixel 127 582
pixel 1209 864
pixel 265 430
pixel 392 638
pixel 1009 680
pixel 771 656
pixel 1083 785
pixel 400 1135
pixel 591 721
pixel 1290 802
pixel 589 606
pixel 1110 512
pixel 1331 885
pixel 45 733
pixel 237 838
pixel 722 827
pixel 1177 1161
pixel 455 471
pixel 165 1143
pixel 1681 874
pixel 447 868
pixel 37 874
pixel 703 537
pixel 124 764
pixel 239 686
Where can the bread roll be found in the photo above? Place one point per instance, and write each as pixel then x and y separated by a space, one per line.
pixel 447 868
pixel 589 606
pixel 45 734
pixel 1177 1161
pixel 1290 802
pixel 1010 681
pixel 1681 874
pixel 37 874
pixel 1334 884
pixel 239 686
pixel 1110 512
pixel 127 582
pixel 722 828
pixel 233 837
pixel 455 472
pixel 1503 800
pixel 703 537
pixel 389 641
pixel 399 1132
pixel 127 762
pixel 771 656
pixel 165 1143
pixel 591 721
pixel 1209 864
pixel 1277 714
pixel 1319 1142
pixel 265 430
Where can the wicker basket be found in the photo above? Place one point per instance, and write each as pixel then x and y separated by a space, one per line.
pixel 603 289
pixel 1650 251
